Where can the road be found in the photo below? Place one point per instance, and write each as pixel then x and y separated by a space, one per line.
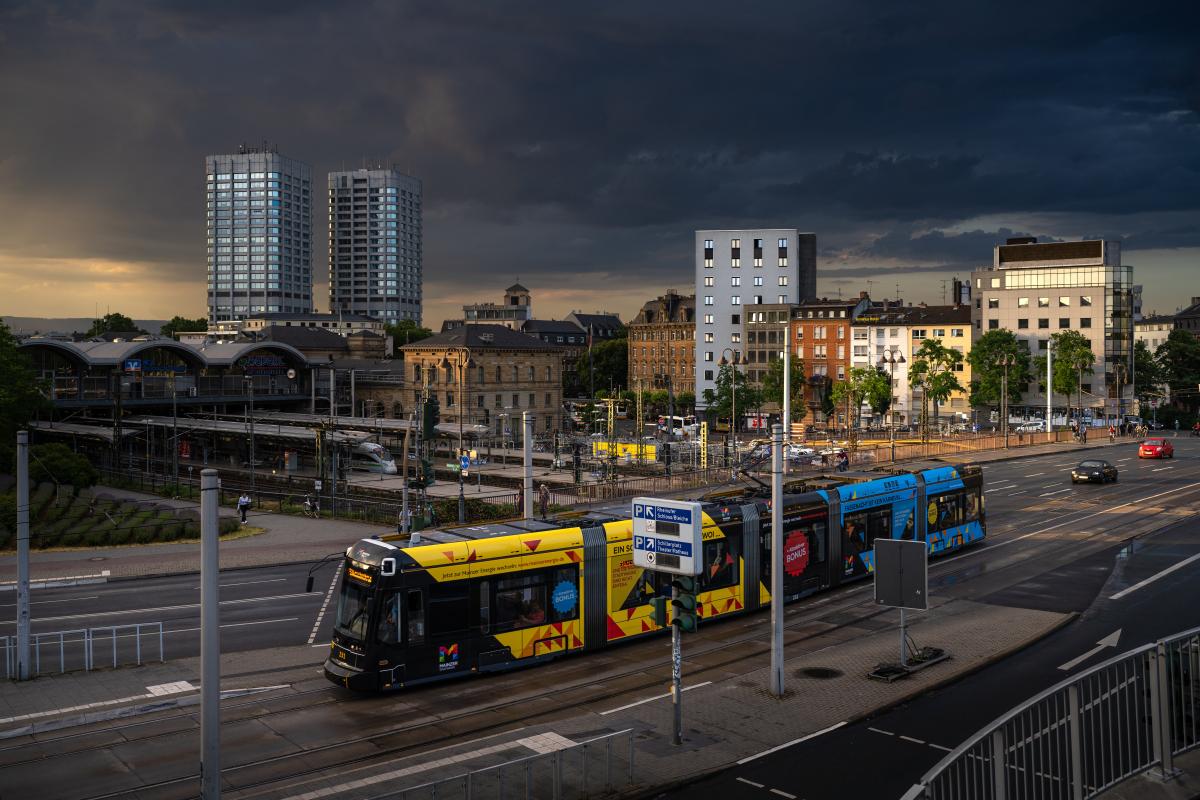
pixel 1127 594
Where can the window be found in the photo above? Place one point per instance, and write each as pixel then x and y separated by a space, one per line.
pixel 1022 323
pixel 819 332
pixel 1086 300
pixel 859 531
pixel 1043 302
pixel 1043 323
pixel 720 564
pixel 781 299
pixel 735 338
pixel 545 597
pixel 993 324
pixel 708 280
pixel 708 299
pixel 708 374
pixel 918 334
pixel 708 337
pixel 499 377
pixel 415 616
pixel 735 319
pixel 956 333
pixel 1064 322
pixel 993 302
pixel 1085 322
pixel 841 331
pixel 516 400
pixel 783 280
pixel 532 400
pixel 939 333
pixel 708 356
pixel 448 609
pixel 758 281
pixel 1022 302
pixel 531 374
pixel 995 283
pixel 735 300
pixel 735 281
pixel 708 319
pixel 1064 301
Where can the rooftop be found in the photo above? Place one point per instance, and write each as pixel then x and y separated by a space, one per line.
pixel 480 336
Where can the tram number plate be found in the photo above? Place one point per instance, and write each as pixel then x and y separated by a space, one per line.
pixel 668 560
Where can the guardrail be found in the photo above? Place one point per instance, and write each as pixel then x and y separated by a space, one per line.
pixel 590 768
pixel 76 649
pixel 1134 713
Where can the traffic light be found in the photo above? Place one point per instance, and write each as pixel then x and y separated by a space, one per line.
pixel 431 415
pixel 659 608
pixel 425 478
pixel 684 602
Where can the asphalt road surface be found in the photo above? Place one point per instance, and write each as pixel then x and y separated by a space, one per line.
pixel 1127 594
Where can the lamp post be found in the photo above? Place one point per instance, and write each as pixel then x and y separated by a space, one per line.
pixel 174 435
pixel 1007 360
pixel 1121 370
pixel 735 358
pixel 891 358
pixel 464 362
pixel 1079 364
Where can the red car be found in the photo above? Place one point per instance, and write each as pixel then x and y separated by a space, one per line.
pixel 1156 448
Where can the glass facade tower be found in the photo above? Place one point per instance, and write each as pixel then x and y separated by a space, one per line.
pixel 259 206
pixel 375 244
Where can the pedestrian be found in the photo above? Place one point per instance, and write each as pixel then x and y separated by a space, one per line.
pixel 405 520
pixel 543 499
pixel 432 516
pixel 243 505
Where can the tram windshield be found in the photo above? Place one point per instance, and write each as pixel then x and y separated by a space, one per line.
pixel 352 610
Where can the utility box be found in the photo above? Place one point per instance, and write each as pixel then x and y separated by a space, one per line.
pixel 902 574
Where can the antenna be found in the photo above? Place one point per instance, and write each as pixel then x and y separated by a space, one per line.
pixel 944 282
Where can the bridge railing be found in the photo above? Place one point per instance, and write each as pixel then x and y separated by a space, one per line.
pixel 1132 714
pixel 86 648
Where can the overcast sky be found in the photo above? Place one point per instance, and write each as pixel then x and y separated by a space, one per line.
pixel 578 146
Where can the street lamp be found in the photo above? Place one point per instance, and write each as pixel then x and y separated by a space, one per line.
pixel 735 358
pixel 1121 370
pixel 464 362
pixel 1007 360
pixel 891 358
pixel 1079 363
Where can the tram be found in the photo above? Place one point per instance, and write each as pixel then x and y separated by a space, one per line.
pixel 498 596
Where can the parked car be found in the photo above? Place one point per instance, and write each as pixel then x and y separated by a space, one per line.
pixel 1030 427
pixel 1094 471
pixel 1156 448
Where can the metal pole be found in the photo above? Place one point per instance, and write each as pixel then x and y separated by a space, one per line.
pixel 174 435
pixel 676 677
pixel 903 653
pixel 1049 389
pixel 404 515
pixel 23 672
pixel 253 469
pixel 527 462
pixel 777 560
pixel 353 396
pixel 787 388
pixel 210 643
pixel 312 407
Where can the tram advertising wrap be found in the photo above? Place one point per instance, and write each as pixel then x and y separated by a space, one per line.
pixel 494 597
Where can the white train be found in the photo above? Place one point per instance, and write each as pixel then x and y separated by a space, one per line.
pixel 372 457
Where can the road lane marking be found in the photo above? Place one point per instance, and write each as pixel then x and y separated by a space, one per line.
pixel 911 739
pixel 1154 577
pixel 1160 469
pixel 782 793
pixel 751 783
pixel 651 699
pixel 940 747
pixel 1051 494
pixel 1108 641
pixel 312 637
pixel 785 745
pixel 170 608
pixel 1034 474
pixel 885 733
pixel 1120 460
pixel 230 625
pixel 247 583
pixel 44 602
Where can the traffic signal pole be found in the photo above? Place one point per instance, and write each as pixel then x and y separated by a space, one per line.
pixel 676 674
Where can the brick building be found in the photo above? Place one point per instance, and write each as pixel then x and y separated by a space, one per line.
pixel 505 374
pixel 662 343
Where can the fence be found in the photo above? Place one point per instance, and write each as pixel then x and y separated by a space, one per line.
pixel 77 649
pixel 592 768
pixel 1131 714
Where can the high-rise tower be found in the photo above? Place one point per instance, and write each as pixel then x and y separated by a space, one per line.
pixel 375 244
pixel 259 207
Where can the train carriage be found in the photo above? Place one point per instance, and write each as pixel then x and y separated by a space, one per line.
pixel 498 596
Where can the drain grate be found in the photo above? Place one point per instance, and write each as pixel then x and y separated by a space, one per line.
pixel 820 673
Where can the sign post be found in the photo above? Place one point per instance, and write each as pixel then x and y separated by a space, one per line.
pixel 668 537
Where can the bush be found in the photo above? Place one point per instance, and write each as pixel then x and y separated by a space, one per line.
pixel 57 462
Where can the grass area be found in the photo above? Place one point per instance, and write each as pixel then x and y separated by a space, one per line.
pixel 65 519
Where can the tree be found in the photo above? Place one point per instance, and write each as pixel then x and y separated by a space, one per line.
pixel 1148 373
pixel 932 369
pixel 182 325
pixel 22 394
pixel 772 385
pixel 609 364
pixel 112 322
pixel 987 374
pixel 61 465
pixel 406 331
pixel 861 384
pixel 1073 358
pixel 720 402
pixel 1179 357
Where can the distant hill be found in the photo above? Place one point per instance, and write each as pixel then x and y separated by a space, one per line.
pixel 31 325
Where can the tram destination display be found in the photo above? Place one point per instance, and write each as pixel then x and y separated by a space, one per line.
pixel 667 535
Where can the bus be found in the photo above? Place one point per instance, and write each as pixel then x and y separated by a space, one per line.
pixel 680 425
pixel 499 596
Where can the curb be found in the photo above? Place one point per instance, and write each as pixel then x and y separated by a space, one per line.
pixel 644 793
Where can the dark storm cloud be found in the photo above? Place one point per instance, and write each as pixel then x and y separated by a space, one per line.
pixel 571 144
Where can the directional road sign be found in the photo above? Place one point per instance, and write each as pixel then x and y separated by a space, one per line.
pixel 668 535
pixel 464 463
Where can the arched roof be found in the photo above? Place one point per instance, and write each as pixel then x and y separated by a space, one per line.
pixel 100 354
pixel 226 354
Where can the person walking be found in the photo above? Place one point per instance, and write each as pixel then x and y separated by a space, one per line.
pixel 243 506
pixel 543 499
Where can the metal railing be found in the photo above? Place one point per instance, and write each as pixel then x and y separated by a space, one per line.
pixel 1129 715
pixel 592 768
pixel 76 649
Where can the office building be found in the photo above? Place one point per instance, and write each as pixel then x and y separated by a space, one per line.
pixel 259 207
pixel 1036 290
pixel 1153 330
pixel 375 263
pixel 739 268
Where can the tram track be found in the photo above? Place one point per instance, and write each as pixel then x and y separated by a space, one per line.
pixel 341 754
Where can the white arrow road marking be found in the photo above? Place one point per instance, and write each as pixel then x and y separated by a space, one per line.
pixel 1108 641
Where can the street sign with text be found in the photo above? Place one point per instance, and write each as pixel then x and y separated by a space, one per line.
pixel 668 535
